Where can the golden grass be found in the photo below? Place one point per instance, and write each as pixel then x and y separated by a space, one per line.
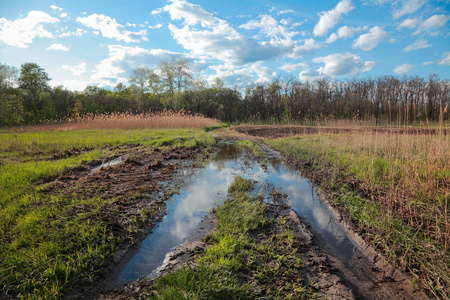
pixel 164 119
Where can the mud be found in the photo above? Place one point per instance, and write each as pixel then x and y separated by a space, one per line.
pixel 274 132
pixel 144 180
pixel 137 182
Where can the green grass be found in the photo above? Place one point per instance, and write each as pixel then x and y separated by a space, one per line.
pixel 389 186
pixel 254 148
pixel 244 261
pixel 49 242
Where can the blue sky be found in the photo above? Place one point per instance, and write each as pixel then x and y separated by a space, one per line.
pixel 82 43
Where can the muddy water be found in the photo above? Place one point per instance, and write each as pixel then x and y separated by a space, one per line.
pixel 205 188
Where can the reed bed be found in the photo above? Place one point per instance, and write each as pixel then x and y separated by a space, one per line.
pixel 164 119
pixel 402 199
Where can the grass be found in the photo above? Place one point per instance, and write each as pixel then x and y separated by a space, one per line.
pixel 48 242
pixel 255 149
pixel 244 261
pixel 396 189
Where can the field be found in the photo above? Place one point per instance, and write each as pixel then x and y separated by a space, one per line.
pixel 64 218
pixel 59 227
pixel 392 184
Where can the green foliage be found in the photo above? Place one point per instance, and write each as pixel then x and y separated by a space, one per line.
pixel 50 241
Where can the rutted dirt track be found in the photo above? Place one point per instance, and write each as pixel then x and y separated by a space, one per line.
pixel 273 132
pixel 143 180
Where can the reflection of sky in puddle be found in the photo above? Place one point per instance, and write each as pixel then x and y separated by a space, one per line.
pixel 208 187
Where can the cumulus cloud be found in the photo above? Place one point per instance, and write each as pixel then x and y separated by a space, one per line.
pixel 111 29
pixel 370 40
pixel 445 61
pixel 409 23
pixel 60 47
pixel 157 26
pixel 309 47
pixel 216 39
pixel 432 23
pixel 190 13
pixel 345 32
pixel 408 7
pixel 343 64
pixel 338 65
pixel 402 69
pixel 330 18
pixel 123 59
pixel 76 70
pixel 419 44
pixel 56 7
pixel 293 67
pixel 21 32
pixel 240 76
pixel 268 26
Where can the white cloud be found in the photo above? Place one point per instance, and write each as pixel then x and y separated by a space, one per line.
pixel 287 11
pixel 419 44
pixel 426 63
pixel 63 15
pixel 78 32
pixel 111 29
pixel 190 13
pixel 216 39
pixel 445 61
pixel 309 47
pixel 408 7
pixel 268 26
pixel 370 40
pixel 76 70
pixel 402 69
pixel 293 67
pixel 157 26
pixel 343 64
pixel 330 18
pixel 432 22
pixel 123 60
pixel 308 75
pixel 56 7
pixel 21 32
pixel 409 23
pixel 345 32
pixel 240 76
pixel 58 47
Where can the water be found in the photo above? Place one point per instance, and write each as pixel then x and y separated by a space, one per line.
pixel 107 164
pixel 207 187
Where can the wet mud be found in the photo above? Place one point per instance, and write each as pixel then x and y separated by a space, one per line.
pixel 178 192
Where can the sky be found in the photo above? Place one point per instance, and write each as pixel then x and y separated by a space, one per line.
pixel 100 42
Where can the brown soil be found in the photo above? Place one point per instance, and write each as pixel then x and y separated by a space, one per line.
pixel 274 132
pixel 141 182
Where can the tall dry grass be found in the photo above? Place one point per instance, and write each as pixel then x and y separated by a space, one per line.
pixel 164 119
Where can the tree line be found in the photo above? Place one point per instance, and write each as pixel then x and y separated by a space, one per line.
pixel 27 98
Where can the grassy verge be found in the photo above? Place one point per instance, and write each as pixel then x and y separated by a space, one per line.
pixel 396 189
pixel 255 149
pixel 50 241
pixel 244 261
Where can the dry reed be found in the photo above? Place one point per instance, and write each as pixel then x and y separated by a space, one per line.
pixel 164 119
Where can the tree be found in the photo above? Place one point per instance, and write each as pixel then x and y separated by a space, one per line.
pixel 140 78
pixel 9 100
pixel 33 81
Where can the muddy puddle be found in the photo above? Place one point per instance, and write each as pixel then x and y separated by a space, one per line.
pixel 202 189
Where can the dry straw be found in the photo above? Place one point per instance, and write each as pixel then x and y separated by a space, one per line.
pixel 164 119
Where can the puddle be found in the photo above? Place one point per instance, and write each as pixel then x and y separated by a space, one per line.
pixel 206 188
